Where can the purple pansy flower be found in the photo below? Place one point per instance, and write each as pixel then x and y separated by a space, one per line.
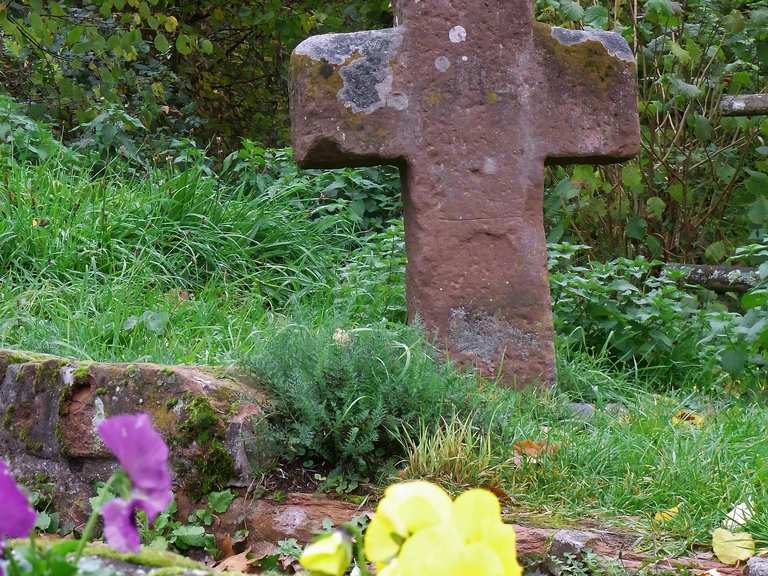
pixel 143 455
pixel 17 518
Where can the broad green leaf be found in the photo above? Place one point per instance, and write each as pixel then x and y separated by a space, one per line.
pixel 734 22
pixel 656 207
pixel 597 16
pixel 183 44
pixel 571 10
pixel 733 361
pixel 682 88
pixel 636 228
pixel 206 46
pixel 716 251
pixel 632 178
pixel 219 502
pixel 161 43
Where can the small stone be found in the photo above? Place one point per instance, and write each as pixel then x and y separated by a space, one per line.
pixel 757 566
pixel 567 544
pixel 581 410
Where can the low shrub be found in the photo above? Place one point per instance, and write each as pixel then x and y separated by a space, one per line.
pixel 342 395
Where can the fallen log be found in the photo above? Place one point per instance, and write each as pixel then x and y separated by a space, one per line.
pixel 747 105
pixel 720 279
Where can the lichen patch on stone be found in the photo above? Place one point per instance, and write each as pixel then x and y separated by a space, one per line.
pixel 613 43
pixel 364 64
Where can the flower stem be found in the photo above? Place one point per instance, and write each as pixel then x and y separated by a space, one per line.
pixel 359 551
pixel 93 519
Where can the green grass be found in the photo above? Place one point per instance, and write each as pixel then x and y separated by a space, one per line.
pixel 184 267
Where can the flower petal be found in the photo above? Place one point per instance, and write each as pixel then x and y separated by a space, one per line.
pixel 413 506
pixel 141 451
pixel 380 546
pixel 479 560
pixel 503 540
pixel 476 513
pixel 17 518
pixel 434 550
pixel 120 528
pixel 330 556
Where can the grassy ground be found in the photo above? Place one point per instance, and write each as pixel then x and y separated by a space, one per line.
pixel 182 268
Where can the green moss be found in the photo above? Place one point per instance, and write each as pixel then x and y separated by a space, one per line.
pixel 8 416
pixel 147 557
pixel 82 372
pixel 213 467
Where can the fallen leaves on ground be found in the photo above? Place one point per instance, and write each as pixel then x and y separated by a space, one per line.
pixel 237 563
pixel 532 450
pixel 732 547
pixel 738 517
pixel 667 515
pixel 688 417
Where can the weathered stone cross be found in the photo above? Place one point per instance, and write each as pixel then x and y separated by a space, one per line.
pixel 470 98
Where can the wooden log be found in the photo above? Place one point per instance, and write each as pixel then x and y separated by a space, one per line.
pixel 717 278
pixel 747 105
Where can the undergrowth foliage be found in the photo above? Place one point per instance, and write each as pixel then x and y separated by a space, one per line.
pixel 342 396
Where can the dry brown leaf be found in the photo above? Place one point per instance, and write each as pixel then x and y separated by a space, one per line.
pixel 532 449
pixel 226 547
pixel 236 563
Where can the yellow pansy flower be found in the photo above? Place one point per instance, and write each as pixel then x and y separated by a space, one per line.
pixel 406 509
pixel 478 560
pixel 435 550
pixel 329 556
pixel 476 514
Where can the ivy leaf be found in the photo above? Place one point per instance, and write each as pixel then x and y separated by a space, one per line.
pixel 171 24
pixel 596 17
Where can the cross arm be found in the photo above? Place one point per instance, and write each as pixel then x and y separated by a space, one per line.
pixel 348 102
pixel 590 96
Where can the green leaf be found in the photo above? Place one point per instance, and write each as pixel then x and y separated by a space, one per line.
pixel 219 502
pixel 734 22
pixel 571 10
pixel 183 45
pixel 733 361
pixel 676 192
pixel 636 228
pixel 656 207
pixel 758 212
pixel 632 178
pixel 680 53
pixel 206 46
pixel 716 252
pixel 682 88
pixel 161 43
pixel 702 127
pixel 597 17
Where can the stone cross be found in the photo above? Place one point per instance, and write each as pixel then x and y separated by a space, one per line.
pixel 471 98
